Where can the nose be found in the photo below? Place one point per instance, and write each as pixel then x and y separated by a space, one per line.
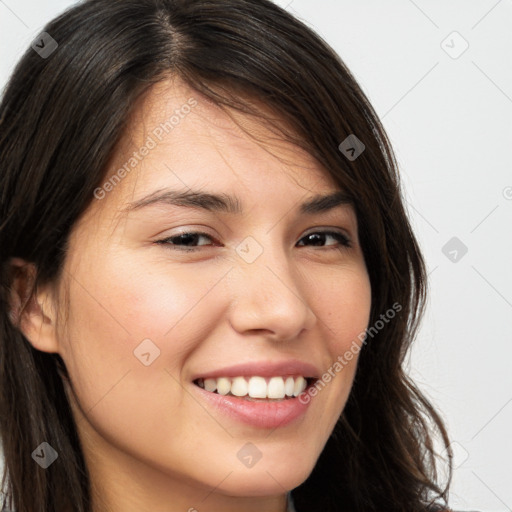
pixel 270 296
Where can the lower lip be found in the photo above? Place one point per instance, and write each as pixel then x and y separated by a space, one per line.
pixel 262 414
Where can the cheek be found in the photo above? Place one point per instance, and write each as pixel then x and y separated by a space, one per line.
pixel 177 306
pixel 346 304
pixel 125 303
pixel 118 394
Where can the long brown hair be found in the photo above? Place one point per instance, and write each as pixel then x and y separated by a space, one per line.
pixel 61 118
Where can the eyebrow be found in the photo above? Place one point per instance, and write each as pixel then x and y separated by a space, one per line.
pixel 231 204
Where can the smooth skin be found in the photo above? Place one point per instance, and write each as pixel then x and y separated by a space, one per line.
pixel 150 443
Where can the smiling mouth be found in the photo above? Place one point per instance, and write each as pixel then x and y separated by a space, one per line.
pixel 257 388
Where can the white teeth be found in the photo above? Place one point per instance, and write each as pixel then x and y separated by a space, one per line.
pixel 257 387
pixel 210 385
pixel 239 387
pixel 223 386
pixel 289 386
pixel 300 386
pixel 276 388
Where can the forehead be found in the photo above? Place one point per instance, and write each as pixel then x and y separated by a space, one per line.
pixel 177 138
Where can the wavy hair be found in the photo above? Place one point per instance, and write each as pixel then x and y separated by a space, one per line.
pixel 61 117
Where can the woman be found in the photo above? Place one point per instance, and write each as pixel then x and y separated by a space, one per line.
pixel 209 282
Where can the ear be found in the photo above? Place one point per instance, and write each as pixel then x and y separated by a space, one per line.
pixel 32 311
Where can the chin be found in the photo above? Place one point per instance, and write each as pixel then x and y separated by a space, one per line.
pixel 272 478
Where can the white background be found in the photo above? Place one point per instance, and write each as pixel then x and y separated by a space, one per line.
pixel 449 120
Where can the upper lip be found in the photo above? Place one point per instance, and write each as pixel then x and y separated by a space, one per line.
pixel 263 369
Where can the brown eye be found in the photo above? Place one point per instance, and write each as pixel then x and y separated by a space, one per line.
pixel 318 238
pixel 185 241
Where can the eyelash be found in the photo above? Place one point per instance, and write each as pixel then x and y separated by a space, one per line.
pixel 342 239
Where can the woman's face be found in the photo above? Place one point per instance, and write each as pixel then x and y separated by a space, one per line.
pixel 261 287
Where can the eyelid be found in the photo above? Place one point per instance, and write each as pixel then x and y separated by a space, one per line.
pixel 346 241
pixel 346 238
pixel 328 229
pixel 165 240
pixel 314 229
